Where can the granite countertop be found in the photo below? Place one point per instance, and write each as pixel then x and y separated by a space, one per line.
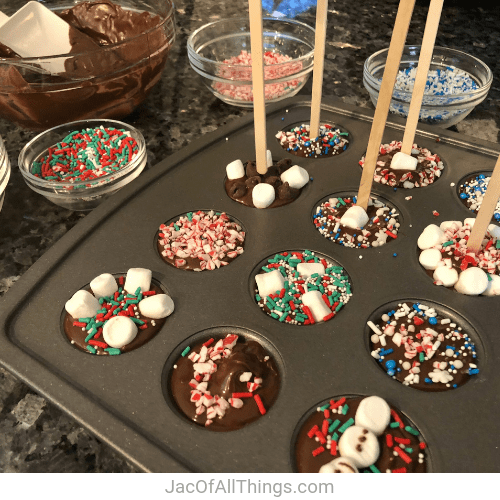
pixel 35 436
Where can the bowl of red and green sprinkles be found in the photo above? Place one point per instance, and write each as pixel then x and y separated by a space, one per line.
pixel 79 164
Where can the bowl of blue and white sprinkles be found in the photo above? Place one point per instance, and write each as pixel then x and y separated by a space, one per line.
pixel 456 83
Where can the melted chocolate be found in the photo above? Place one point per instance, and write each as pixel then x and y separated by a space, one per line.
pixel 246 356
pixel 77 336
pixel 240 190
pixel 387 460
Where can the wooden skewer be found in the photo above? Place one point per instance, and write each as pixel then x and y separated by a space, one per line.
pixel 486 211
pixel 258 90
pixel 424 63
pixel 319 59
pixel 396 47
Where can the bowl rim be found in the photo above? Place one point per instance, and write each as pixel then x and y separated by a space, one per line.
pixel 479 91
pixel 197 56
pixel 169 16
pixel 68 187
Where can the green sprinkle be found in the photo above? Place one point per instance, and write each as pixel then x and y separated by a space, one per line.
pixel 274 315
pixel 394 425
pixel 345 409
pixel 343 133
pixel 447 244
pixel 335 437
pixel 341 201
pixel 333 426
pixel 325 407
pixel 422 357
pixel 85 320
pixel 497 244
pixel 283 317
pixel 185 351
pixel 137 321
pixel 176 227
pixel 339 307
pixel 257 297
pixel 267 270
pixel 411 430
pixel 374 469
pixel 409 450
pixel 90 349
pixel 489 277
pixel 89 336
pixel 138 291
pixel 347 425
pixel 112 351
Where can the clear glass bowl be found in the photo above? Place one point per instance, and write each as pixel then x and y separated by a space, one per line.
pixel 214 43
pixel 442 111
pixel 82 195
pixel 4 171
pixel 108 82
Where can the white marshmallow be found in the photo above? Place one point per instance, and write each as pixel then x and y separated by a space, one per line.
pixel 431 236
pixel 494 230
pixel 138 277
pixel 470 222
pixel 430 258
pixel 269 158
pixel 235 170
pixel 307 269
pixel 157 306
pixel 493 287
pixel 402 161
pixel 269 283
pixel 355 217
pixel 360 445
pixel 374 414
pixel 314 301
pixel 263 195
pixel 451 224
pixel 448 276
pixel 472 281
pixel 339 465
pixel 82 305
pixel 104 285
pixel 296 177
pixel 119 331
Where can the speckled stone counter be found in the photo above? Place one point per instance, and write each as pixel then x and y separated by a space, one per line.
pixel 35 436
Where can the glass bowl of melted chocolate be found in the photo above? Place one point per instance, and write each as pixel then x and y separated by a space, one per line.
pixel 118 51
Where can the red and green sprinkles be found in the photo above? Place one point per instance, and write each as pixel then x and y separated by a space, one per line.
pixel 86 155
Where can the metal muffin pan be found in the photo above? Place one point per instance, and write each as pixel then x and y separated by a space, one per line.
pixel 122 398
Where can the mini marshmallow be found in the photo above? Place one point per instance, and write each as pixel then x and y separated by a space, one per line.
pixel 430 258
pixel 269 283
pixel 360 445
pixel 374 414
pixel 472 281
pixel 235 170
pixel 402 161
pixel 138 277
pixel 307 269
pixel 355 217
pixel 82 305
pixel 451 224
pixel 263 195
pixel 493 287
pixel 494 230
pixel 339 465
pixel 470 221
pixel 119 331
pixel 314 301
pixel 431 236
pixel 269 158
pixel 157 306
pixel 104 285
pixel 297 177
pixel 448 276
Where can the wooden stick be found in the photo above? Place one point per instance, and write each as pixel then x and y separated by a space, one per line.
pixel 258 90
pixel 483 219
pixel 424 63
pixel 319 59
pixel 396 47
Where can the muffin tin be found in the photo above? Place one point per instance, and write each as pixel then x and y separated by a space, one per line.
pixel 122 399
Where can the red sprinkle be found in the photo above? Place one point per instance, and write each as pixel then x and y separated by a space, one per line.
pixel 395 416
pixel 334 404
pixel 312 431
pixel 317 451
pixel 240 395
pixel 98 344
pixel 388 440
pixel 402 454
pixel 260 404
pixel 333 449
pixel 398 471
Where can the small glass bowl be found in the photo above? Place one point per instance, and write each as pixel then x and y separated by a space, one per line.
pixel 214 43
pixel 442 111
pixel 4 171
pixel 80 195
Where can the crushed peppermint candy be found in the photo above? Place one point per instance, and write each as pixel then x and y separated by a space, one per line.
pixel 422 348
pixel 86 155
pixel 382 226
pixel 276 66
pixel 201 241
pixel 429 167
pixel 472 192
pixel 330 142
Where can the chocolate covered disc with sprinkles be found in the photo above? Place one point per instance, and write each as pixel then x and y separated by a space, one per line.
pixel 86 155
pixel 445 257
pixel 330 142
pixel 421 348
pixel 300 288
pixel 382 225
pixel 200 241
pixel 428 170
pixel 116 315
pixel 359 434
pixel 472 191
pixel 224 383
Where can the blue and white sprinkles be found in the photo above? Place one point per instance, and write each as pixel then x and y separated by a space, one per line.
pixel 472 192
pixel 421 348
